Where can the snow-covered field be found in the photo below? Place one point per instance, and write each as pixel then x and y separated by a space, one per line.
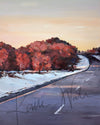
pixel 97 57
pixel 21 82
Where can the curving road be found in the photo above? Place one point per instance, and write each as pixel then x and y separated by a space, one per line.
pixel 74 100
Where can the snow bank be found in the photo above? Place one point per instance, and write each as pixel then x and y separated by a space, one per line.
pixel 11 85
pixel 97 57
pixel 83 64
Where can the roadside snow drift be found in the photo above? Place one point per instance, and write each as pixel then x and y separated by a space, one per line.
pixel 97 57
pixel 21 82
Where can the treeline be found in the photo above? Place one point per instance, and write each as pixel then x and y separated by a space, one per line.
pixel 52 54
pixel 95 51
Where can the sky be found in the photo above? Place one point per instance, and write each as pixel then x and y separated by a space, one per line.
pixel 26 21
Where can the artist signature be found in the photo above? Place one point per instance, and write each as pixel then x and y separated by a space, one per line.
pixel 72 94
pixel 38 104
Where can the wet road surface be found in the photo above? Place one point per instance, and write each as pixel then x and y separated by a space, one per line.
pixel 74 100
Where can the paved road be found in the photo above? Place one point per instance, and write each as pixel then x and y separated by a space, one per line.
pixel 74 100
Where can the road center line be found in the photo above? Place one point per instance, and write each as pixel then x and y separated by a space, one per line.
pixel 60 108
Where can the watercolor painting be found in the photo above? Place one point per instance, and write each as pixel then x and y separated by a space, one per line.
pixel 49 62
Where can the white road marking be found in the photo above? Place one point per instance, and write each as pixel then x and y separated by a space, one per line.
pixel 78 87
pixel 57 112
pixel 87 79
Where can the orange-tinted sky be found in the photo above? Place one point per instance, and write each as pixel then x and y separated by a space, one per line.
pixel 25 21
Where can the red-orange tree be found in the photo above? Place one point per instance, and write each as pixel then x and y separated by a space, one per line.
pixel 40 62
pixel 3 59
pixel 11 57
pixel 23 61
